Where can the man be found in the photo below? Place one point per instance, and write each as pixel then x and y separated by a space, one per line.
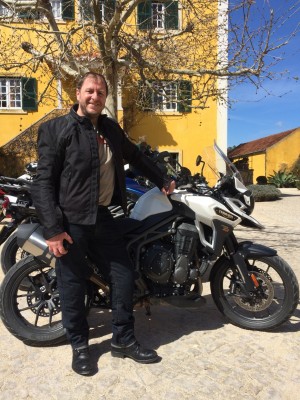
pixel 80 171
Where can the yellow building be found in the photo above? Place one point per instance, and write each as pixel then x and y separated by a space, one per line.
pixel 263 156
pixel 166 125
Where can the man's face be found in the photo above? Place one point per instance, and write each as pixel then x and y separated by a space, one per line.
pixel 91 98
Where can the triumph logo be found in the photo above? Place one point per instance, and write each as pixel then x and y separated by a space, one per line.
pixel 225 214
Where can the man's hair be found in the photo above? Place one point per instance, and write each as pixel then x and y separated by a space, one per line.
pixel 95 75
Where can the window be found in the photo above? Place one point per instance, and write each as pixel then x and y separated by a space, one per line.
pixel 56 8
pixel 62 10
pixel 158 15
pixel 4 11
pixel 18 93
pixel 166 96
pixel 106 10
pixel 10 93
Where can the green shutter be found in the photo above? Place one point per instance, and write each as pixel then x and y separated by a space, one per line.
pixel 184 96
pixel 171 21
pixel 67 9
pixel 144 18
pixel 28 14
pixel 29 93
pixel 86 11
pixel 109 9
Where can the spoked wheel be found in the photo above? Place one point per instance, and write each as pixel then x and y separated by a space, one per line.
pixel 274 301
pixel 11 253
pixel 29 303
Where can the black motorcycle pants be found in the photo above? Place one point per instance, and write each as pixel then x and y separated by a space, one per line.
pixel 106 247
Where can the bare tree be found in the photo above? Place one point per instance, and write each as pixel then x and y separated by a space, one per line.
pixel 130 48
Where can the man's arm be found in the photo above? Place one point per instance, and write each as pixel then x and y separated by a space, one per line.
pixel 45 184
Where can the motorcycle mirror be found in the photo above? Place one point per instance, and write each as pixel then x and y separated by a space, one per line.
pixel 198 160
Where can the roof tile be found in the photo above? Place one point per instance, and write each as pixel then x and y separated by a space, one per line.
pixel 258 145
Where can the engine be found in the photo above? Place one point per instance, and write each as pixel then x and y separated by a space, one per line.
pixel 170 263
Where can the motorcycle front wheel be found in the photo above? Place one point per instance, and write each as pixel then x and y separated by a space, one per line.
pixel 29 303
pixel 274 302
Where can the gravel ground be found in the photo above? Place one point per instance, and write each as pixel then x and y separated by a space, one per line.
pixel 203 357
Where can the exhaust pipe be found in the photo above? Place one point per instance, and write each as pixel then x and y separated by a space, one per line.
pixel 30 238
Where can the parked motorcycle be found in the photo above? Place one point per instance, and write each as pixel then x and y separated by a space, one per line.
pixel 18 208
pixel 176 243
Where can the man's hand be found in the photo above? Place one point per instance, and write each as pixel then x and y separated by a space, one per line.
pixel 170 188
pixel 56 244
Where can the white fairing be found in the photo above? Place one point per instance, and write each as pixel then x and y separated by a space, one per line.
pixel 204 208
pixel 152 202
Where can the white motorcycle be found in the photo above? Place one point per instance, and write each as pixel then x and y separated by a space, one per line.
pixel 176 243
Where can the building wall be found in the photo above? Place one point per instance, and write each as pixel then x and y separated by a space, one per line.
pixel 283 154
pixel 13 122
pixel 257 162
pixel 280 156
pixel 185 133
pixel 188 134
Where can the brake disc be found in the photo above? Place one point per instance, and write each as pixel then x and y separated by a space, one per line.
pixel 45 305
pixel 260 301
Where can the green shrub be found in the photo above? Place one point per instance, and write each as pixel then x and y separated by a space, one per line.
pixel 265 192
pixel 261 180
pixel 282 179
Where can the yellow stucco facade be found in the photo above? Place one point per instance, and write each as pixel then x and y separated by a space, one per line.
pixel 281 155
pixel 184 133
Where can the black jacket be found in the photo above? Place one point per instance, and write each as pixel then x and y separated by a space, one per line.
pixel 67 181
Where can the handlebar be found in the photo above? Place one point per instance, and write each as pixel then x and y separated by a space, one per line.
pixel 14 186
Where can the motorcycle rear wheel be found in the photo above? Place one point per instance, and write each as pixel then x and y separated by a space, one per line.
pixel 11 253
pixel 29 303
pixel 275 304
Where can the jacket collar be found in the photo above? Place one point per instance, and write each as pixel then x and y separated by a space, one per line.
pixel 84 120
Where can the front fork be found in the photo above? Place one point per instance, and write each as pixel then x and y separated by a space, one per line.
pixel 239 252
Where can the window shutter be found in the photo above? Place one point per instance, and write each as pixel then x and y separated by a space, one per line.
pixel 29 93
pixel 109 9
pixel 28 14
pixel 67 9
pixel 86 10
pixel 171 20
pixel 144 18
pixel 184 96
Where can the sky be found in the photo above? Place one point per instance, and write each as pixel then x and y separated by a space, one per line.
pixel 255 114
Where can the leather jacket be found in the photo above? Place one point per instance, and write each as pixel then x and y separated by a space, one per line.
pixel 67 180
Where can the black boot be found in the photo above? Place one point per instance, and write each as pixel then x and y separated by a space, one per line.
pixel 135 352
pixel 81 362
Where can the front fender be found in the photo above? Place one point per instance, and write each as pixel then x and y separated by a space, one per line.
pixel 248 249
